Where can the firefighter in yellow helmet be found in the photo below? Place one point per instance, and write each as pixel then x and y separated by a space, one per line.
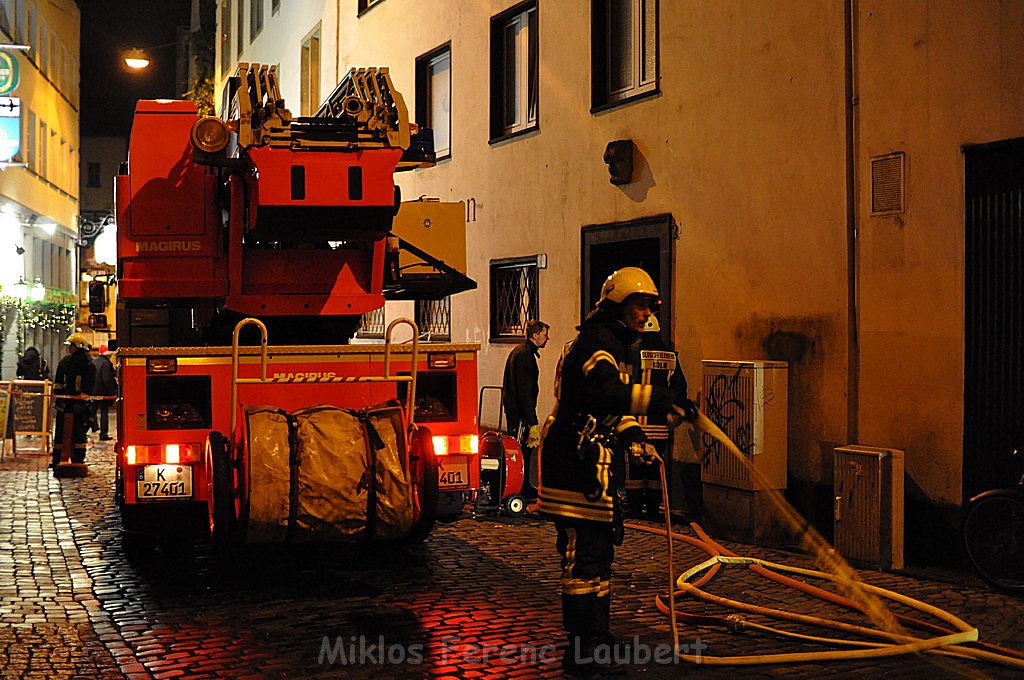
pixel 583 455
pixel 75 376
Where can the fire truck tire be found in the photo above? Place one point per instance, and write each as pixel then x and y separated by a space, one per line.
pixel 425 479
pixel 225 522
pixel 515 505
pixel 449 505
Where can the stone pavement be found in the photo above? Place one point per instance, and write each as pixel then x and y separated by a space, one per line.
pixel 478 600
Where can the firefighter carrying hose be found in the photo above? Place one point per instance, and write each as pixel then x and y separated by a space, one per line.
pixel 583 454
pixel 75 376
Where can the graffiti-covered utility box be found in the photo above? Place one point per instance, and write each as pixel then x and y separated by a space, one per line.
pixel 748 400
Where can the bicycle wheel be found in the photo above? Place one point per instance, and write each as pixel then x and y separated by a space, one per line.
pixel 993 535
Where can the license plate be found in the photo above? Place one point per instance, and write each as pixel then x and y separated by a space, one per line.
pixel 154 482
pixel 453 475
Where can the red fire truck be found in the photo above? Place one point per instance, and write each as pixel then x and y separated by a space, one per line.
pixel 249 247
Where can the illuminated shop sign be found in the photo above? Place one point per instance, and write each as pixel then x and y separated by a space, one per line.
pixel 8 73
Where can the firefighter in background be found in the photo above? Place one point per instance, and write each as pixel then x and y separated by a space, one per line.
pixel 519 395
pixel 653 363
pixel 583 450
pixel 75 376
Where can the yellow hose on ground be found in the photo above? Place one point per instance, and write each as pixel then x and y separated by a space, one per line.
pixel 862 596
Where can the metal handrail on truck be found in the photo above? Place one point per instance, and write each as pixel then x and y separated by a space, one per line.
pixel 264 380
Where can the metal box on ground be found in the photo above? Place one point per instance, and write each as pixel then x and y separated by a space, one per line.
pixel 869 506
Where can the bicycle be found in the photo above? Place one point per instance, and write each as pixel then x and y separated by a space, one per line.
pixel 993 536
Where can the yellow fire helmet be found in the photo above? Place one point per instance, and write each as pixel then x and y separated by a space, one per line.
pixel 625 282
pixel 78 340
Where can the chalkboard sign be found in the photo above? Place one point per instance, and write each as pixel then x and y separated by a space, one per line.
pixel 6 421
pixel 30 413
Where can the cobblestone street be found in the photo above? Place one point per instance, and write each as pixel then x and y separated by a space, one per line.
pixel 73 605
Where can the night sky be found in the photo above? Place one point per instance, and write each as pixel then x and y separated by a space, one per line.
pixel 109 88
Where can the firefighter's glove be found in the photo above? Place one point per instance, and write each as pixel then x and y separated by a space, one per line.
pixel 533 439
pixel 686 409
pixel 642 453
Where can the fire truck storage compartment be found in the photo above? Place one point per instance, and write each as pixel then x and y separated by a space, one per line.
pixel 324 473
pixel 178 402
pixel 436 396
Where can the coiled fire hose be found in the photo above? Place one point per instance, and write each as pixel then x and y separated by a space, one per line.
pixel 862 597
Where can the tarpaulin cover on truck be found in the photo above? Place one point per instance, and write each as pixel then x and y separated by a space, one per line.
pixel 324 473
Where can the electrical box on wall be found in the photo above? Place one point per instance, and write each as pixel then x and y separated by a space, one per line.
pixel 749 401
pixel 868 509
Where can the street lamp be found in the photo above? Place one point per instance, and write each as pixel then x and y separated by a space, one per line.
pixel 136 59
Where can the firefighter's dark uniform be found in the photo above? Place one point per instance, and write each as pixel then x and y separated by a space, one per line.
pixel 75 376
pixel 579 484
pixel 653 363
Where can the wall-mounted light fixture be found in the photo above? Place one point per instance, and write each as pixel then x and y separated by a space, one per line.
pixel 38 292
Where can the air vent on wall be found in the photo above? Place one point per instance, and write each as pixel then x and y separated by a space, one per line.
pixel 887 179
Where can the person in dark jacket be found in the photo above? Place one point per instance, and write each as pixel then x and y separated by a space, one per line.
pixel 31 366
pixel 519 391
pixel 106 386
pixel 583 450
pixel 75 376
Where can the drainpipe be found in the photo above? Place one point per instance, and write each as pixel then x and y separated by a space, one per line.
pixel 852 342
pixel 337 42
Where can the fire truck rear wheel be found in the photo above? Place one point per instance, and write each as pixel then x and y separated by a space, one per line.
pixel 225 522
pixel 425 478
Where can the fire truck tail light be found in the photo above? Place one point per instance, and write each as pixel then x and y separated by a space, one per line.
pixel 156 454
pixel 466 443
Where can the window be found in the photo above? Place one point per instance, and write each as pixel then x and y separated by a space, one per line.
pixel 255 18
pixel 367 4
pixel 515 298
pixel 310 82
pixel 434 97
pixel 225 38
pixel 434 318
pixel 44 156
pixel 93 179
pixel 30 142
pixel 30 28
pixel 514 71
pixel 624 39
pixel 240 15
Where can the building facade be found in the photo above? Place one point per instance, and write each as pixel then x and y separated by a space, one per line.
pixel 821 183
pixel 39 183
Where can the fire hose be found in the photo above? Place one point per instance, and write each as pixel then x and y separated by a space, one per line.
pixel 864 598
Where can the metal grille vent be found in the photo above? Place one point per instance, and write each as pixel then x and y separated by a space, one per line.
pixel 434 318
pixel 887 184
pixel 514 297
pixel 371 324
